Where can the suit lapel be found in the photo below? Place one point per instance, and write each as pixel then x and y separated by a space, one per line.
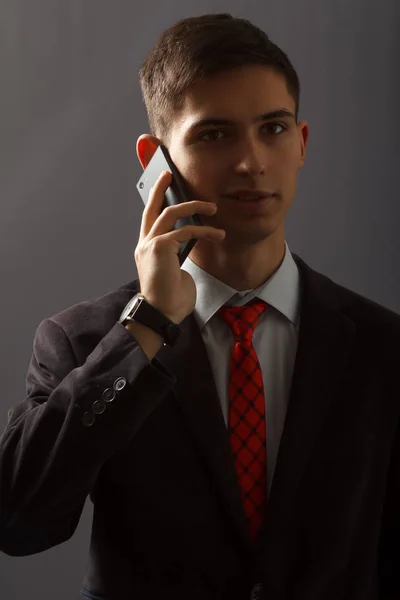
pixel 324 349
pixel 325 342
pixel 198 398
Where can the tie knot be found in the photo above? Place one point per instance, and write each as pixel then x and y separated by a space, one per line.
pixel 243 319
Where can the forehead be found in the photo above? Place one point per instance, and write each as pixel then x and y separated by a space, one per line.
pixel 239 95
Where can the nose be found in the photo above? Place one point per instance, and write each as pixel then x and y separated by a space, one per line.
pixel 251 159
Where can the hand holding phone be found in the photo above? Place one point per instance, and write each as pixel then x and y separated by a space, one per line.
pixel 176 193
pixel 163 283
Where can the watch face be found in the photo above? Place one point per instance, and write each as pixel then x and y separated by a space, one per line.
pixel 128 308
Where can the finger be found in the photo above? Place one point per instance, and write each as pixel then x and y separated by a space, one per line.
pixel 169 217
pixel 190 232
pixel 154 204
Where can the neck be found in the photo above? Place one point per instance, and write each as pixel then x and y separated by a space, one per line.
pixel 241 267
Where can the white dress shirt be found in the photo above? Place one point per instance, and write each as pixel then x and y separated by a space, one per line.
pixel 275 339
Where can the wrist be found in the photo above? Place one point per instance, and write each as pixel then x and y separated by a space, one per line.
pixel 148 339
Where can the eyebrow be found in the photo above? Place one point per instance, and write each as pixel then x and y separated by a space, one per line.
pixel 283 112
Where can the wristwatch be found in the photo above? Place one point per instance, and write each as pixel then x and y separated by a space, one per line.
pixel 141 311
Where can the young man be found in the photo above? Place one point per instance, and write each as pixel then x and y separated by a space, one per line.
pixel 222 464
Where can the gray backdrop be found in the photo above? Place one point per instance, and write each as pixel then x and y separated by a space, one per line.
pixel 71 113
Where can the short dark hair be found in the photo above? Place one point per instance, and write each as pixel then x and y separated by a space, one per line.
pixel 198 47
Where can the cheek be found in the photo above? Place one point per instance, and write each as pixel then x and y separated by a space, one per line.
pixel 288 163
pixel 202 176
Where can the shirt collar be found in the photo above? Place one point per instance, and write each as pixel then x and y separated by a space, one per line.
pixel 281 290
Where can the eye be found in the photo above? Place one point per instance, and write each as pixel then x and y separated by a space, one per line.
pixel 209 132
pixel 269 125
pixel 213 132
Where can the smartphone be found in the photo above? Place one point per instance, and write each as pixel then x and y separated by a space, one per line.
pixel 176 193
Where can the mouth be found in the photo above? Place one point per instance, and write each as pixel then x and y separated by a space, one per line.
pixel 253 206
pixel 252 200
pixel 249 195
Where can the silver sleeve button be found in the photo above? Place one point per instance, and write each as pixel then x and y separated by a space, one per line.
pixel 88 419
pixel 119 384
pixel 109 395
pixel 99 407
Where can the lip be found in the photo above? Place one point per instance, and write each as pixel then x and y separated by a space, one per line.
pixel 248 192
pixel 253 206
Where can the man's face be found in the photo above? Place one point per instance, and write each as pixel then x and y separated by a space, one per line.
pixel 248 153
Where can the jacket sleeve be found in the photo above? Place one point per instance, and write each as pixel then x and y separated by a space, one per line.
pixel 59 436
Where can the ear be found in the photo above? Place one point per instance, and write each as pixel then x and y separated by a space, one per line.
pixel 303 134
pixel 145 147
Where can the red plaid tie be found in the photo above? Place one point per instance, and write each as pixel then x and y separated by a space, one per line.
pixel 247 411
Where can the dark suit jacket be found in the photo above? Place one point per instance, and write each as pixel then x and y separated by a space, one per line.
pixel 168 518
